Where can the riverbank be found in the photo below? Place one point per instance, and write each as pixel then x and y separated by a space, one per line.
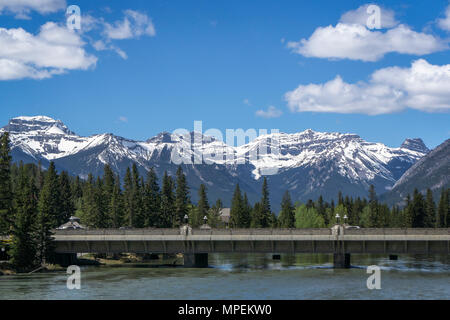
pixel 127 259
pixel 105 260
pixel 6 269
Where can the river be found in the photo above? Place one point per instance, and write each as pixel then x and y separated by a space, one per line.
pixel 251 276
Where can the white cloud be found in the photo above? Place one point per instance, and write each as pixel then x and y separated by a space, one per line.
pixel 356 42
pixel 444 23
pixel 54 50
pixel 134 25
pixel 271 112
pixel 423 87
pixel 23 7
pixel 360 16
pixel 100 45
pixel 123 119
pixel 247 102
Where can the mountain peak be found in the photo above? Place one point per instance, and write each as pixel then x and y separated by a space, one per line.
pixel 32 124
pixel 415 144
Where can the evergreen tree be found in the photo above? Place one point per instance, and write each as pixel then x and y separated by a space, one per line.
pixel 48 211
pixel 237 209
pixel 287 214
pixel 373 206
pixel 99 211
pixel 202 206
pixel 246 216
pixel 181 197
pixel 152 200
pixel 139 216
pixel 66 204
pixel 443 215
pixel 24 246
pixel 50 196
pixel 418 210
pixel 430 211
pixel 116 210
pixel 129 203
pixel 265 205
pixel 77 189
pixel 407 213
pixel 257 216
pixel 321 208
pixel 340 198
pixel 6 194
pixel 167 213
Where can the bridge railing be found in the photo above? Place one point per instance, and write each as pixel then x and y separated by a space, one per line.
pixel 161 231
pixel 397 231
pixel 322 231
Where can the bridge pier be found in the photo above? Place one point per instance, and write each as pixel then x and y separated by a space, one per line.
pixel 341 260
pixel 195 260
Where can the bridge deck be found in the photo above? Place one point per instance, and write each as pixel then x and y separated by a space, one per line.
pixel 254 240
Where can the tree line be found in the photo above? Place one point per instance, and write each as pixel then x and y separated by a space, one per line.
pixel 33 202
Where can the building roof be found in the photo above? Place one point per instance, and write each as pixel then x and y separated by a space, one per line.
pixel 74 223
pixel 225 214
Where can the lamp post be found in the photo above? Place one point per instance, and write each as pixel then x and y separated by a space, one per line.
pixel 205 220
pixel 345 219
pixel 337 218
pixel 186 218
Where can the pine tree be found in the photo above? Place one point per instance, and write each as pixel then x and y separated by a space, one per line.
pixel 287 215
pixel 320 208
pixel 418 210
pixel 237 209
pixel 116 210
pixel 48 211
pixel 66 204
pixel 167 213
pixel 246 216
pixel 139 216
pixel 152 200
pixel 373 206
pixel 128 199
pixel 202 206
pixel 99 213
pixel 181 197
pixel 340 198
pixel 257 216
pixel 265 203
pixel 430 211
pixel 6 194
pixel 24 246
pixel 50 196
pixel 443 215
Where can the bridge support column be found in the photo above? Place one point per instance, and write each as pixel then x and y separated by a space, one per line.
pixel 393 257
pixel 341 260
pixel 195 260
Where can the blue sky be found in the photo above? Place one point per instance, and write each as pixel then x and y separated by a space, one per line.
pixel 137 68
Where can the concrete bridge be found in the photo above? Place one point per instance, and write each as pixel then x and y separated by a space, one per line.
pixel 195 244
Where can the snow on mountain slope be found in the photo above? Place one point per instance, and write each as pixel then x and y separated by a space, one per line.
pixel 306 160
pixel 354 157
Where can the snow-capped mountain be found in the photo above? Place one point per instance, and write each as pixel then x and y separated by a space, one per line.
pixel 430 172
pixel 308 163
